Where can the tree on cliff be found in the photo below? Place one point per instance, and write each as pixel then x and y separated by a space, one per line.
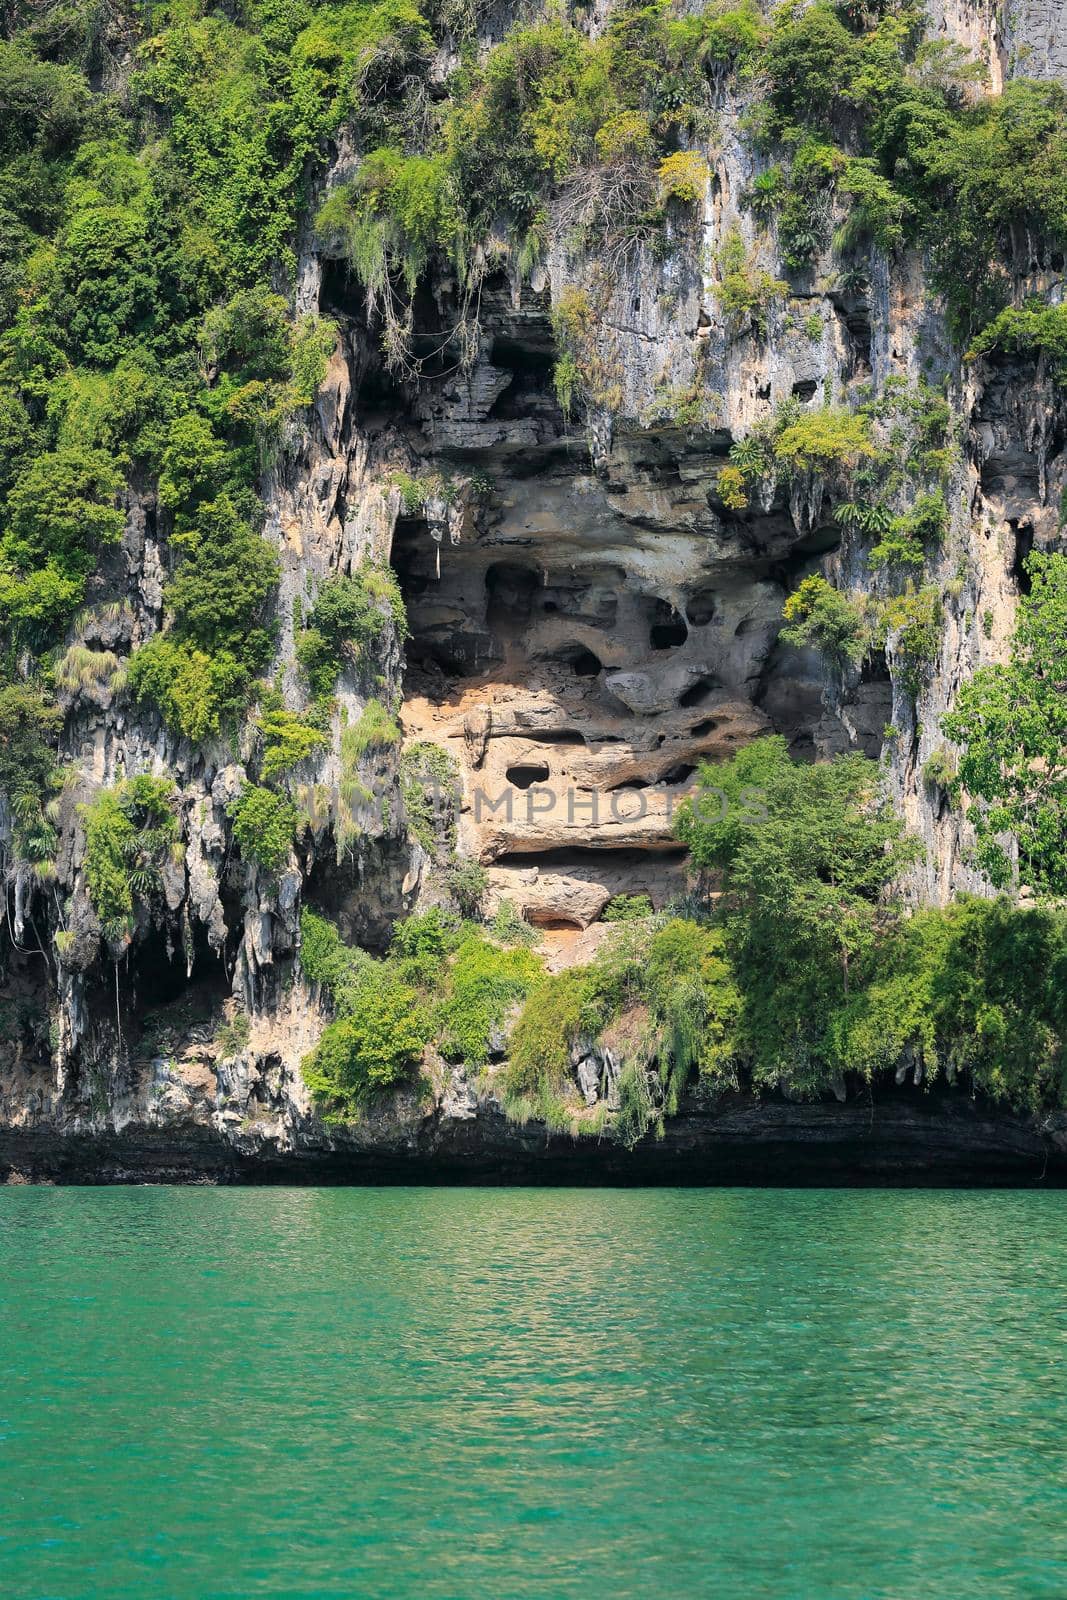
pixel 1011 720
pixel 803 868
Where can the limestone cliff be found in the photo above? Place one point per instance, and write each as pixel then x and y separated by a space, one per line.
pixel 588 620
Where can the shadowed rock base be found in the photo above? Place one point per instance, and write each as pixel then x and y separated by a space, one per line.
pixel 928 1142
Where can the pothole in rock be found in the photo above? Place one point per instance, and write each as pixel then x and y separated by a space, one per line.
pixel 667 630
pixel 525 774
pixel 581 660
pixel 681 772
pixel 700 609
pixel 698 692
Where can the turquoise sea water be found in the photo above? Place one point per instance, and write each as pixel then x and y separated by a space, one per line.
pixel 427 1393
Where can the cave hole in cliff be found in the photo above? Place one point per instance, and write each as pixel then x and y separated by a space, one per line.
pixel 858 329
pixel 875 668
pixel 629 783
pixel 578 657
pixel 530 365
pixel 571 737
pixel 699 729
pixel 681 772
pixel 666 629
pixel 1024 544
pixel 155 977
pixel 509 591
pixel 700 609
pixel 698 692
pixel 447 633
pixel 552 921
pixel 524 774
pixel 804 389
pixel 340 292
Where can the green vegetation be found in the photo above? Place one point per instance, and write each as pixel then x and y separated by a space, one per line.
pixel 976 989
pixel 61 511
pixel 130 831
pixel 627 908
pixel 263 827
pixel 861 105
pixel 151 358
pixel 484 982
pixel 911 623
pixel 233 1036
pixel 828 441
pixel 143 340
pixel 348 622
pixel 801 898
pixel 376 730
pixel 801 971
pixel 832 978
pixel 821 618
pixel 288 738
pixel 441 980
pixel 428 786
pixel 28 777
pixel 200 671
pixel 1011 720
pixel 907 539
pixel 662 990
pixel 371 1046
pixel 380 1028
pixel 1035 328
pixel 846 630
pixel 746 291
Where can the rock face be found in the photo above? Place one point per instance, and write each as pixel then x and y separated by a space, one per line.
pixel 588 621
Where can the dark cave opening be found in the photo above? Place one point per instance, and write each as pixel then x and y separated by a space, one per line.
pixel 530 362
pixel 1024 544
pixel 667 629
pixel 154 979
pixel 551 921
pixel 875 668
pixel 524 774
pixel 701 608
pixel 581 660
pixel 681 772
pixel 413 558
pixel 444 635
pixel 509 590
pixel 698 692
pixel 566 857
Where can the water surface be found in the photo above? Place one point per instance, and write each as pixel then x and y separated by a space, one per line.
pixel 447 1394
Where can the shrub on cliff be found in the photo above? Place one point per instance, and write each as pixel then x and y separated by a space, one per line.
pixel 348 621
pixel 199 671
pixel 803 879
pixel 29 722
pixel 1011 720
pixel 978 988
pixel 129 831
pixel 484 982
pixel 263 826
pixel 61 512
pixel 372 1047
pixel 820 617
